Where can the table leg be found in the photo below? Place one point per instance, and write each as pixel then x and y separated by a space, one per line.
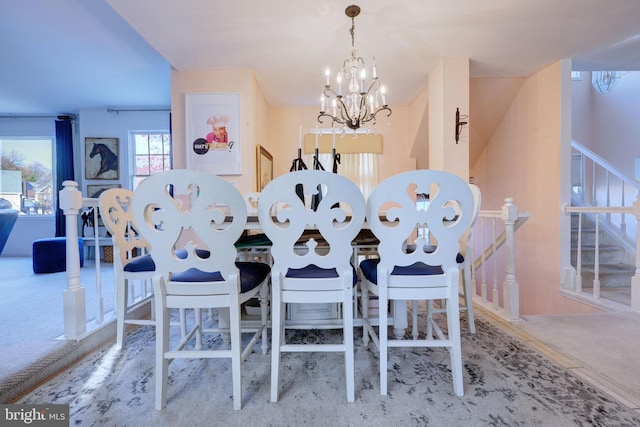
pixel 400 322
pixel 223 323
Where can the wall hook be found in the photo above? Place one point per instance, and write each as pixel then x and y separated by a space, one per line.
pixel 459 124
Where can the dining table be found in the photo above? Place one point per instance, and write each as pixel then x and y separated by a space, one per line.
pixel 323 316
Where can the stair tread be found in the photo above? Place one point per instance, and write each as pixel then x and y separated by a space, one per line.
pixel 612 268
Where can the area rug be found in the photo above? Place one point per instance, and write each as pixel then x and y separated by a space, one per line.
pixel 506 383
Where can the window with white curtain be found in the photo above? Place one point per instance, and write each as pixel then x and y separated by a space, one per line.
pixel 360 168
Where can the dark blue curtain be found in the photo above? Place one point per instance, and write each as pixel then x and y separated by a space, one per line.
pixel 64 167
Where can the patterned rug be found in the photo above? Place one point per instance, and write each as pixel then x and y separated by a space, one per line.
pixel 506 384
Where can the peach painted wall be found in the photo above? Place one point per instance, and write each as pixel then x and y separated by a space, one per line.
pixel 275 128
pixel 523 160
pixel 253 115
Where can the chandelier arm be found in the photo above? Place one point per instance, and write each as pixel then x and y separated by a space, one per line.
pixel 323 114
pixel 383 108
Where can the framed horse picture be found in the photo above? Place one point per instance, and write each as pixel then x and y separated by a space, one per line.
pixel 101 158
pixel 94 191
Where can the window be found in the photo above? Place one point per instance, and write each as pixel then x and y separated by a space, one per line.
pixel 576 75
pixel 152 154
pixel 360 168
pixel 26 179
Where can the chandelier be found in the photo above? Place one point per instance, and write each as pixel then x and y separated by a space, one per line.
pixel 605 81
pixel 351 103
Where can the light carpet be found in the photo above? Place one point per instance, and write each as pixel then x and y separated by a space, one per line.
pixel 506 384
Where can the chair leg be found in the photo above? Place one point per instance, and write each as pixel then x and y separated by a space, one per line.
pixel 162 344
pixel 277 335
pixel 121 308
pixel 429 329
pixel 264 316
pixel 414 319
pixel 347 319
pixel 183 323
pixel 468 297
pixel 384 338
pixel 236 353
pixel 198 318
pixel 364 295
pixel 455 351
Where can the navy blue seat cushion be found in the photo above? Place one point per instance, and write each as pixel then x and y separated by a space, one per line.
pixel 252 274
pixel 312 271
pixel 369 269
pixel 50 255
pixel 140 264
pixel 145 262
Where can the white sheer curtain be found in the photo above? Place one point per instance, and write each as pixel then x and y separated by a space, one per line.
pixel 360 168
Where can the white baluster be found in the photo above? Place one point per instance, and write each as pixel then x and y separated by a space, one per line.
pixel 74 298
pixel 495 296
pixel 596 266
pixel 635 280
pixel 483 286
pixel 579 255
pixel 510 287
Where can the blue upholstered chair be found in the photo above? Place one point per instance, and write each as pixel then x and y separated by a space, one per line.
pixel 304 271
pixel 8 218
pixel 192 221
pixel 425 272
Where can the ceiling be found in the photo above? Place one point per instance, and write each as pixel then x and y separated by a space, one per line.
pixel 58 57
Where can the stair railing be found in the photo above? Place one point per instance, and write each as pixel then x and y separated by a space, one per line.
pixel 607 187
pixel 596 211
pixel 493 241
pixel 606 183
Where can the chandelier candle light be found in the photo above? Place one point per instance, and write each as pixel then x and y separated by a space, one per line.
pixel 359 104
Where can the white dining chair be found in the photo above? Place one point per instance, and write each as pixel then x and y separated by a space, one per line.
pixel 133 266
pixel 192 220
pixel 306 270
pixel 419 274
pixel 465 263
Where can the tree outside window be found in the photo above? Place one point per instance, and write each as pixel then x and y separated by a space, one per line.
pixel 27 174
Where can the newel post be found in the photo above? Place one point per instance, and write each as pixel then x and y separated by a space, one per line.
pixel 75 317
pixel 510 288
pixel 635 280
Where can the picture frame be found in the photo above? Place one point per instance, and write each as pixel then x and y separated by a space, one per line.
pixel 101 158
pixel 212 127
pixel 264 167
pixel 94 191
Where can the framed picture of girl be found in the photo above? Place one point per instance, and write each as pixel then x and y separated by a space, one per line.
pixel 212 125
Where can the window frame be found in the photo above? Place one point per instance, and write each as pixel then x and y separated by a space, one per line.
pixel 134 176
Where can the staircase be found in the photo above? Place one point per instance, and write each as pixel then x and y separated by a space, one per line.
pixel 615 268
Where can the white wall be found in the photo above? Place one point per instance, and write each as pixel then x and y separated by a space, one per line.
pixel 99 123
pixel 616 125
pixel 90 123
